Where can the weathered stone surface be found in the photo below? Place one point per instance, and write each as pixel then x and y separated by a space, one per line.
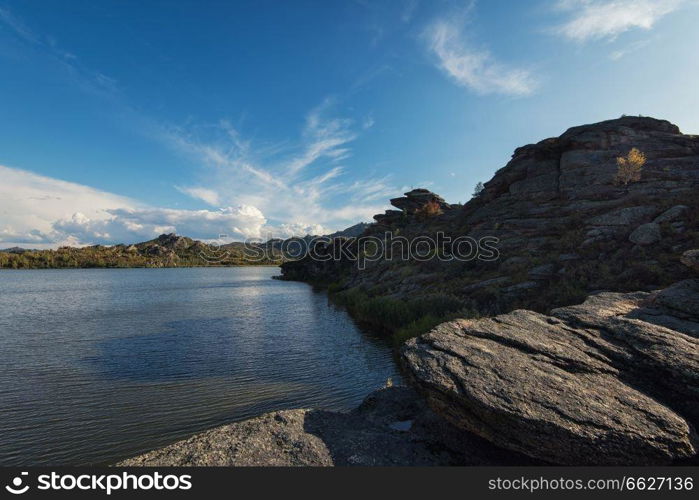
pixel 542 272
pixel 672 214
pixel 682 298
pixel 691 259
pixel 393 426
pixel 521 287
pixel 605 382
pixel 566 257
pixel 646 234
pixel 501 280
pixel 624 216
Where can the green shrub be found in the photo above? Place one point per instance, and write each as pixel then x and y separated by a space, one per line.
pixel 401 318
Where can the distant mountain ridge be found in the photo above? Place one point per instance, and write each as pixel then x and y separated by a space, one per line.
pixel 167 250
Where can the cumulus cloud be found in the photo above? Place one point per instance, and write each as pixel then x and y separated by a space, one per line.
pixel 127 225
pixel 39 212
pixel 299 185
pixel 600 19
pixel 31 203
pixel 473 68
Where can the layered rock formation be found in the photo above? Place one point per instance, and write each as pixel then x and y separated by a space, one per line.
pixel 415 203
pixel 613 381
pixel 572 179
pixel 565 225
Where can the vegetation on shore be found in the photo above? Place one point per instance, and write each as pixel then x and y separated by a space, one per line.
pixel 165 251
pixel 402 319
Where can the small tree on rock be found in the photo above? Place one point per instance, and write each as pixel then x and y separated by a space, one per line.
pixel 478 190
pixel 429 209
pixel 629 167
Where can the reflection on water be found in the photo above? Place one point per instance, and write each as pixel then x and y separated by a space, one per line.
pixel 99 365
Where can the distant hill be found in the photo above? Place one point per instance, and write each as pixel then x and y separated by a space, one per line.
pixel 15 250
pixel 351 232
pixel 167 250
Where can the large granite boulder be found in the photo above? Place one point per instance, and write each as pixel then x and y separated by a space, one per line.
pixel 612 381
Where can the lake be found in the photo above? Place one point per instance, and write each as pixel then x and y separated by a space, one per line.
pixel 99 365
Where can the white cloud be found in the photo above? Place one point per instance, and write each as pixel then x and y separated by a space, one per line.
pixel 299 229
pixel 39 212
pixel 130 225
pixel 206 195
pixel 87 79
pixel 600 19
pixel 472 68
pixel 299 184
pixel 324 138
pixel 632 47
pixel 31 203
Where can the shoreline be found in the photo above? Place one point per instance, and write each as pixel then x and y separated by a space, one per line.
pixel 134 267
pixel 393 426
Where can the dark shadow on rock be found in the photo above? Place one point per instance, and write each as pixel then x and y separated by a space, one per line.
pixel 395 427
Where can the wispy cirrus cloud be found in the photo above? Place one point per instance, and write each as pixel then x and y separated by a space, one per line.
pixel 88 80
pixel 208 196
pixel 628 49
pixel 473 68
pixel 323 138
pixel 255 189
pixel 301 183
pixel 606 19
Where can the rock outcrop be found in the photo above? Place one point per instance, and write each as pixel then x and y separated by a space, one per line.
pixel 557 197
pixel 415 203
pixel 393 426
pixel 613 381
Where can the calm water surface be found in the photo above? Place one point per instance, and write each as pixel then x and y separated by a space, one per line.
pixel 98 365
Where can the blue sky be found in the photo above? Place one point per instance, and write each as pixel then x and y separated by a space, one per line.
pixel 120 120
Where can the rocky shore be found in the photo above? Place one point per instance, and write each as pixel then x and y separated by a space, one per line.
pixel 392 427
pixel 578 346
pixel 613 381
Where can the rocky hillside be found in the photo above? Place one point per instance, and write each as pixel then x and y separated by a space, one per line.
pixel 566 227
